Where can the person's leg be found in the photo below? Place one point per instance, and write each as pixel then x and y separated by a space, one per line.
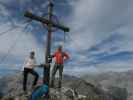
pixel 36 77
pixel 60 75
pixel 25 75
pixel 54 70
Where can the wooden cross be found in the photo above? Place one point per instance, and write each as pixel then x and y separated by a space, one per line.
pixel 50 24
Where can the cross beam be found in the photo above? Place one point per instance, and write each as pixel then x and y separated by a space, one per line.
pixel 45 21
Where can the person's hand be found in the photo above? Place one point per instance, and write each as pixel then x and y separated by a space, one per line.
pixel 65 58
pixel 41 65
pixel 49 59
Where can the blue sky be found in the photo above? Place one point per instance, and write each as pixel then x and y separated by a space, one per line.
pixel 100 36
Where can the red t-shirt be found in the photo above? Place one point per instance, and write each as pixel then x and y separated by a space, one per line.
pixel 60 57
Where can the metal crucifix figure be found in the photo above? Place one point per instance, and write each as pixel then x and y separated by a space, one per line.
pixel 50 24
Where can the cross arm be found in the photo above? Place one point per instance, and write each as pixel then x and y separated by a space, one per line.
pixel 45 21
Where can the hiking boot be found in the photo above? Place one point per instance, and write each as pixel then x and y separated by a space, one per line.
pixel 25 92
pixel 59 87
pixel 52 86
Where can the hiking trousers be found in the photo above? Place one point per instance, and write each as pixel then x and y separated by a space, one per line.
pixel 25 76
pixel 55 69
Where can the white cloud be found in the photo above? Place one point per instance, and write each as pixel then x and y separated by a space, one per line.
pixel 117 66
pixel 93 20
pixel 19 43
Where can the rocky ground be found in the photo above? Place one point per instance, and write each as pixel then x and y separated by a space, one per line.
pixel 113 79
pixel 73 89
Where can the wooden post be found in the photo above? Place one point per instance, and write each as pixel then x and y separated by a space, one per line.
pixel 46 78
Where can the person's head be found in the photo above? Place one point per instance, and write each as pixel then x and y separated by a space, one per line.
pixel 60 48
pixel 32 54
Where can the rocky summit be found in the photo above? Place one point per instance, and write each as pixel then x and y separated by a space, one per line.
pixel 73 89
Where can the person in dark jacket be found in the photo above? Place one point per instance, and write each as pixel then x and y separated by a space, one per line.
pixel 39 92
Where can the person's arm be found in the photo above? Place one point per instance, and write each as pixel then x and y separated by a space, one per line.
pixel 35 63
pixel 66 56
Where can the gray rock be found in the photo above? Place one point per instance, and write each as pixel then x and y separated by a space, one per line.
pixel 73 89
pixel 118 93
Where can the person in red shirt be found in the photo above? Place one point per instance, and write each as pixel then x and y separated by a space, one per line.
pixel 60 56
